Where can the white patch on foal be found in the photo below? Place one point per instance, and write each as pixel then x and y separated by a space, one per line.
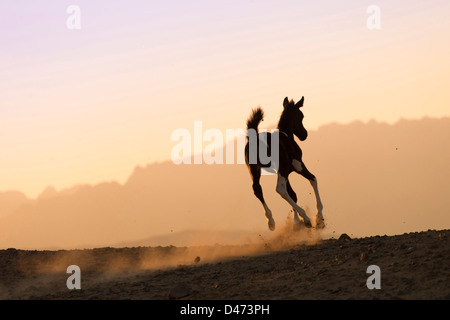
pixel 282 190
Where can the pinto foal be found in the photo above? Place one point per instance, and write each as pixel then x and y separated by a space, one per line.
pixel 289 160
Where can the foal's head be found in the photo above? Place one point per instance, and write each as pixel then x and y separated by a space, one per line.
pixel 291 120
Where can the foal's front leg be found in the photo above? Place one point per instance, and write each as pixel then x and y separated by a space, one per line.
pixel 301 169
pixel 282 190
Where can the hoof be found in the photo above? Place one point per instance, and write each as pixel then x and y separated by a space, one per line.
pixel 271 224
pixel 307 223
pixel 320 222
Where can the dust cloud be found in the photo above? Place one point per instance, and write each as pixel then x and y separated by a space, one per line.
pixel 111 260
pixel 32 271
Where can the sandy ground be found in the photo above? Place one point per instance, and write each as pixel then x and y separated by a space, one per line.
pixel 413 266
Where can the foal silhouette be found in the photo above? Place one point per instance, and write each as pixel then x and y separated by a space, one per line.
pixel 289 159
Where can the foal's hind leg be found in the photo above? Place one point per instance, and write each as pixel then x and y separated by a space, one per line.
pixel 301 169
pixel 255 172
pixel 293 195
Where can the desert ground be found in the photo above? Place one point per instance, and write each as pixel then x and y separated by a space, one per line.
pixel 413 266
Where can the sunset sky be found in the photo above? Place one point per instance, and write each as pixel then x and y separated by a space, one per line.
pixel 88 105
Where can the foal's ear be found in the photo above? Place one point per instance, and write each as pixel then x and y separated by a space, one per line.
pixel 285 102
pixel 300 103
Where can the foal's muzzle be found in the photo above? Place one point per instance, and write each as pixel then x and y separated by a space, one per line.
pixel 304 136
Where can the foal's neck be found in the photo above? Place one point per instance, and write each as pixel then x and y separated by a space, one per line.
pixel 285 125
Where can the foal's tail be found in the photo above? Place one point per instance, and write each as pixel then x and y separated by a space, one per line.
pixel 255 118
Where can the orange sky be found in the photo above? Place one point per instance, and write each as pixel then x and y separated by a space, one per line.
pixel 85 106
